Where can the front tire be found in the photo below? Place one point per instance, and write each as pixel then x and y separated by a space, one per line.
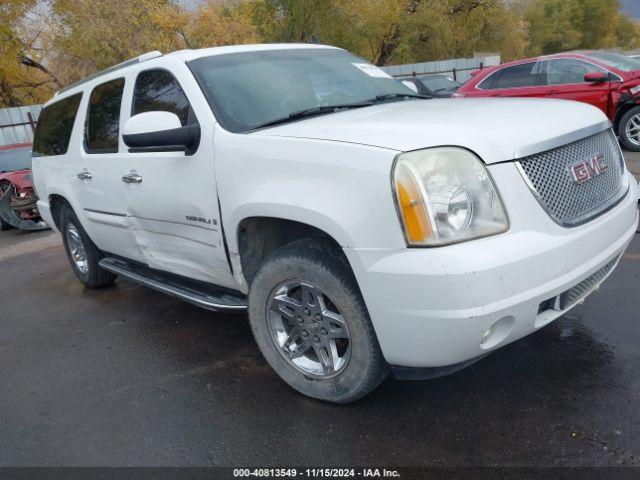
pixel 4 225
pixel 82 253
pixel 629 130
pixel 311 324
pixel 4 190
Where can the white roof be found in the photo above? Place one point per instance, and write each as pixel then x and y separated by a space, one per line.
pixel 181 55
pixel 187 55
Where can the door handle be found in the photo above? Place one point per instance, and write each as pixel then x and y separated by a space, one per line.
pixel 84 175
pixel 132 177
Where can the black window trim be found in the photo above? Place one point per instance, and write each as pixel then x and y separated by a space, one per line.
pixel 79 93
pixel 97 151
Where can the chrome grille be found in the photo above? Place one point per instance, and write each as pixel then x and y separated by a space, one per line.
pixel 567 202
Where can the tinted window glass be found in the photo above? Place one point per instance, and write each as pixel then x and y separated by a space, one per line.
pixel 568 71
pixel 103 119
pixel 158 90
pixel 54 127
pixel 489 83
pixel 525 75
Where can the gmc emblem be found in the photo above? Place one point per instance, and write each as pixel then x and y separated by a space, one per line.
pixel 585 171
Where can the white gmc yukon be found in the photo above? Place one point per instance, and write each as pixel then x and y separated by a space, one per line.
pixel 364 228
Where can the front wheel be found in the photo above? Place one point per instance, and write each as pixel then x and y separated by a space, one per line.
pixel 629 130
pixel 311 324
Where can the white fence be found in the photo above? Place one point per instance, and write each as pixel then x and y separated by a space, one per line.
pixel 459 69
pixel 18 124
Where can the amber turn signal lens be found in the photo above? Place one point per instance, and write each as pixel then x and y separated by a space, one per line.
pixel 412 209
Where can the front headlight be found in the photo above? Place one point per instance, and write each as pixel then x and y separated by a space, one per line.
pixel 445 195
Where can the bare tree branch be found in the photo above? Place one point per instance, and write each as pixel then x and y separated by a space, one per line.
pixel 29 62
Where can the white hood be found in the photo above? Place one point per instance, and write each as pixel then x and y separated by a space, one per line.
pixel 496 129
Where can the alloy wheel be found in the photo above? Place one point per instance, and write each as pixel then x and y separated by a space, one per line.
pixel 76 248
pixel 632 130
pixel 308 329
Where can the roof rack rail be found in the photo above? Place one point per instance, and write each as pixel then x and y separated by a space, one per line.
pixel 139 59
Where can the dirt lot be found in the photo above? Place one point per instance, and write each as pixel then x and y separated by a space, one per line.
pixel 127 376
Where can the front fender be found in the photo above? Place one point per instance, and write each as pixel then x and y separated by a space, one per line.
pixel 342 189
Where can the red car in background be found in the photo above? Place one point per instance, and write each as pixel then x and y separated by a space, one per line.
pixel 17 195
pixel 606 80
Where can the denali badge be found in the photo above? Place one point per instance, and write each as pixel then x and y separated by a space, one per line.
pixel 208 221
pixel 588 169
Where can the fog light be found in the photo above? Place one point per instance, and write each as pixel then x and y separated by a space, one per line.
pixel 497 332
pixel 487 335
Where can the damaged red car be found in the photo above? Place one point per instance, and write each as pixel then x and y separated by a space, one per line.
pixel 17 195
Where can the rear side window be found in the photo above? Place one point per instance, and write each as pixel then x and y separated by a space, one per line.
pixel 103 117
pixel 525 75
pixel 158 90
pixel 55 126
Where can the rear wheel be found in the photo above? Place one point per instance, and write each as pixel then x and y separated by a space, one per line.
pixel 629 130
pixel 82 253
pixel 311 323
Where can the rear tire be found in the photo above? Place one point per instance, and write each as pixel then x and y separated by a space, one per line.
pixel 629 130
pixel 82 253
pixel 335 355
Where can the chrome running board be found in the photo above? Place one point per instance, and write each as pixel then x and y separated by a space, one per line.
pixel 201 294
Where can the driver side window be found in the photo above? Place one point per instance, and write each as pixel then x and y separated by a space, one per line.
pixel 158 90
pixel 568 71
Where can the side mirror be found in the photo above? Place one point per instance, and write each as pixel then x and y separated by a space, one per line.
pixel 596 77
pixel 160 132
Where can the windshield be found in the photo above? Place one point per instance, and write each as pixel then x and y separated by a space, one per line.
pixel 615 60
pixel 438 82
pixel 251 89
pixel 13 159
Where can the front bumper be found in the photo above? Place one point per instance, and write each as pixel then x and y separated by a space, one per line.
pixel 430 307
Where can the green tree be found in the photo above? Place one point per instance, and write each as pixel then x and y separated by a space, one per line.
pixel 560 25
pixel 24 76
pixel 213 24
pixel 91 35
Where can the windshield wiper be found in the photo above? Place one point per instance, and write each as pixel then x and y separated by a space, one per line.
pixel 313 111
pixel 391 96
